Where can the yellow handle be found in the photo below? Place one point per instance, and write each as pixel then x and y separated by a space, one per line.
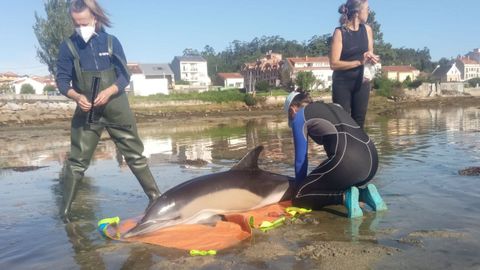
pixel 296 210
pixel 109 221
pixel 103 226
pixel 267 225
pixel 195 252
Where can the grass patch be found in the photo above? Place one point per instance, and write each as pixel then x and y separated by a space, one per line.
pixel 274 92
pixel 208 96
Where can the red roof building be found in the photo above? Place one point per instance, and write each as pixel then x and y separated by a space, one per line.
pixel 266 69
pixel 469 67
pixel 230 80
pixel 319 66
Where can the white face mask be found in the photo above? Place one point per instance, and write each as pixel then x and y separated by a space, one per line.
pixel 86 32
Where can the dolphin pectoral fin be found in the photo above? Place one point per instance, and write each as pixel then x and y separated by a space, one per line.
pixel 249 161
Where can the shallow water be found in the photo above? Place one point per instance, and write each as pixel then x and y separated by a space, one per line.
pixel 432 221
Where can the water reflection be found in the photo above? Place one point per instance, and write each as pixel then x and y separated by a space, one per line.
pixel 210 141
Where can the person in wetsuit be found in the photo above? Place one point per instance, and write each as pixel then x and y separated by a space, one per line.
pixel 351 49
pixel 91 54
pixel 351 162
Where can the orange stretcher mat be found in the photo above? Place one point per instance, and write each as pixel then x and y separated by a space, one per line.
pixel 224 234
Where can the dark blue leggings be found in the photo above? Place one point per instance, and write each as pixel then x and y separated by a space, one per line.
pixel 353 96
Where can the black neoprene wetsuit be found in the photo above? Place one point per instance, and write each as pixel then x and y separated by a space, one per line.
pixel 352 156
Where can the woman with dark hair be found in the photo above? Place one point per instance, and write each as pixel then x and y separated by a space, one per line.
pixel 352 48
pixel 351 157
pixel 91 55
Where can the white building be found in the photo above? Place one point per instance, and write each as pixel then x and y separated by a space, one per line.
pixel 37 83
pixel 448 73
pixel 231 80
pixel 319 66
pixel 150 79
pixel 400 73
pixel 191 69
pixel 470 68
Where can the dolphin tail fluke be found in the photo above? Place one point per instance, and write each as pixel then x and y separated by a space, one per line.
pixel 249 161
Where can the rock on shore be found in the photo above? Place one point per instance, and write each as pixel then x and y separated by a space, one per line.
pixel 12 113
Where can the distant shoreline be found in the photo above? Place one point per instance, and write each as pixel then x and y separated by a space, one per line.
pixel 18 116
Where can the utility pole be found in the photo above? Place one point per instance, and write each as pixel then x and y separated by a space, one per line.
pixel 249 81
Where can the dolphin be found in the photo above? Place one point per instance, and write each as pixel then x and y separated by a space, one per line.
pixel 244 187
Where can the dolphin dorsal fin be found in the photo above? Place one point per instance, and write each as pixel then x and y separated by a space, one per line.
pixel 249 161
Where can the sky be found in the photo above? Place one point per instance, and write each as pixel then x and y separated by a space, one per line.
pixel 154 31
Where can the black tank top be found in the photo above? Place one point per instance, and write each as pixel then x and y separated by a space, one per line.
pixel 354 45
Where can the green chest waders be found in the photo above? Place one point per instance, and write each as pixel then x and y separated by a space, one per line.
pixel 117 118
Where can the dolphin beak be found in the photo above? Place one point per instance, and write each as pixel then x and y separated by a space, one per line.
pixel 137 230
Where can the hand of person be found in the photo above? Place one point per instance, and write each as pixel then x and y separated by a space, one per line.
pixel 370 57
pixel 83 103
pixel 104 96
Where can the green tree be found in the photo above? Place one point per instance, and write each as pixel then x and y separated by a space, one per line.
pixel 445 62
pixel 424 60
pixel 49 89
pixel 383 49
pixel 250 100
pixel 190 52
pixel 305 80
pixel 377 33
pixel 475 82
pixel 388 88
pixel 213 61
pixel 52 31
pixel 237 53
pixel 208 51
pixel 319 45
pixel 27 89
pixel 415 84
pixel 420 59
pixel 6 88
pixel 262 86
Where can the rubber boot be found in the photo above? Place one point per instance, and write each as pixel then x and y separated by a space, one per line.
pixel 83 144
pixel 131 147
pixel 146 180
pixel 71 178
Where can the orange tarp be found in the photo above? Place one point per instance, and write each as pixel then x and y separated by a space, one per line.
pixel 223 234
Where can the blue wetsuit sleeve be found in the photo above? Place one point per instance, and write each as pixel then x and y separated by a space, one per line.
pixel 123 78
pixel 301 147
pixel 65 69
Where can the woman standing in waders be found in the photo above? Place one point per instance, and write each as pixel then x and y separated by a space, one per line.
pixel 91 58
